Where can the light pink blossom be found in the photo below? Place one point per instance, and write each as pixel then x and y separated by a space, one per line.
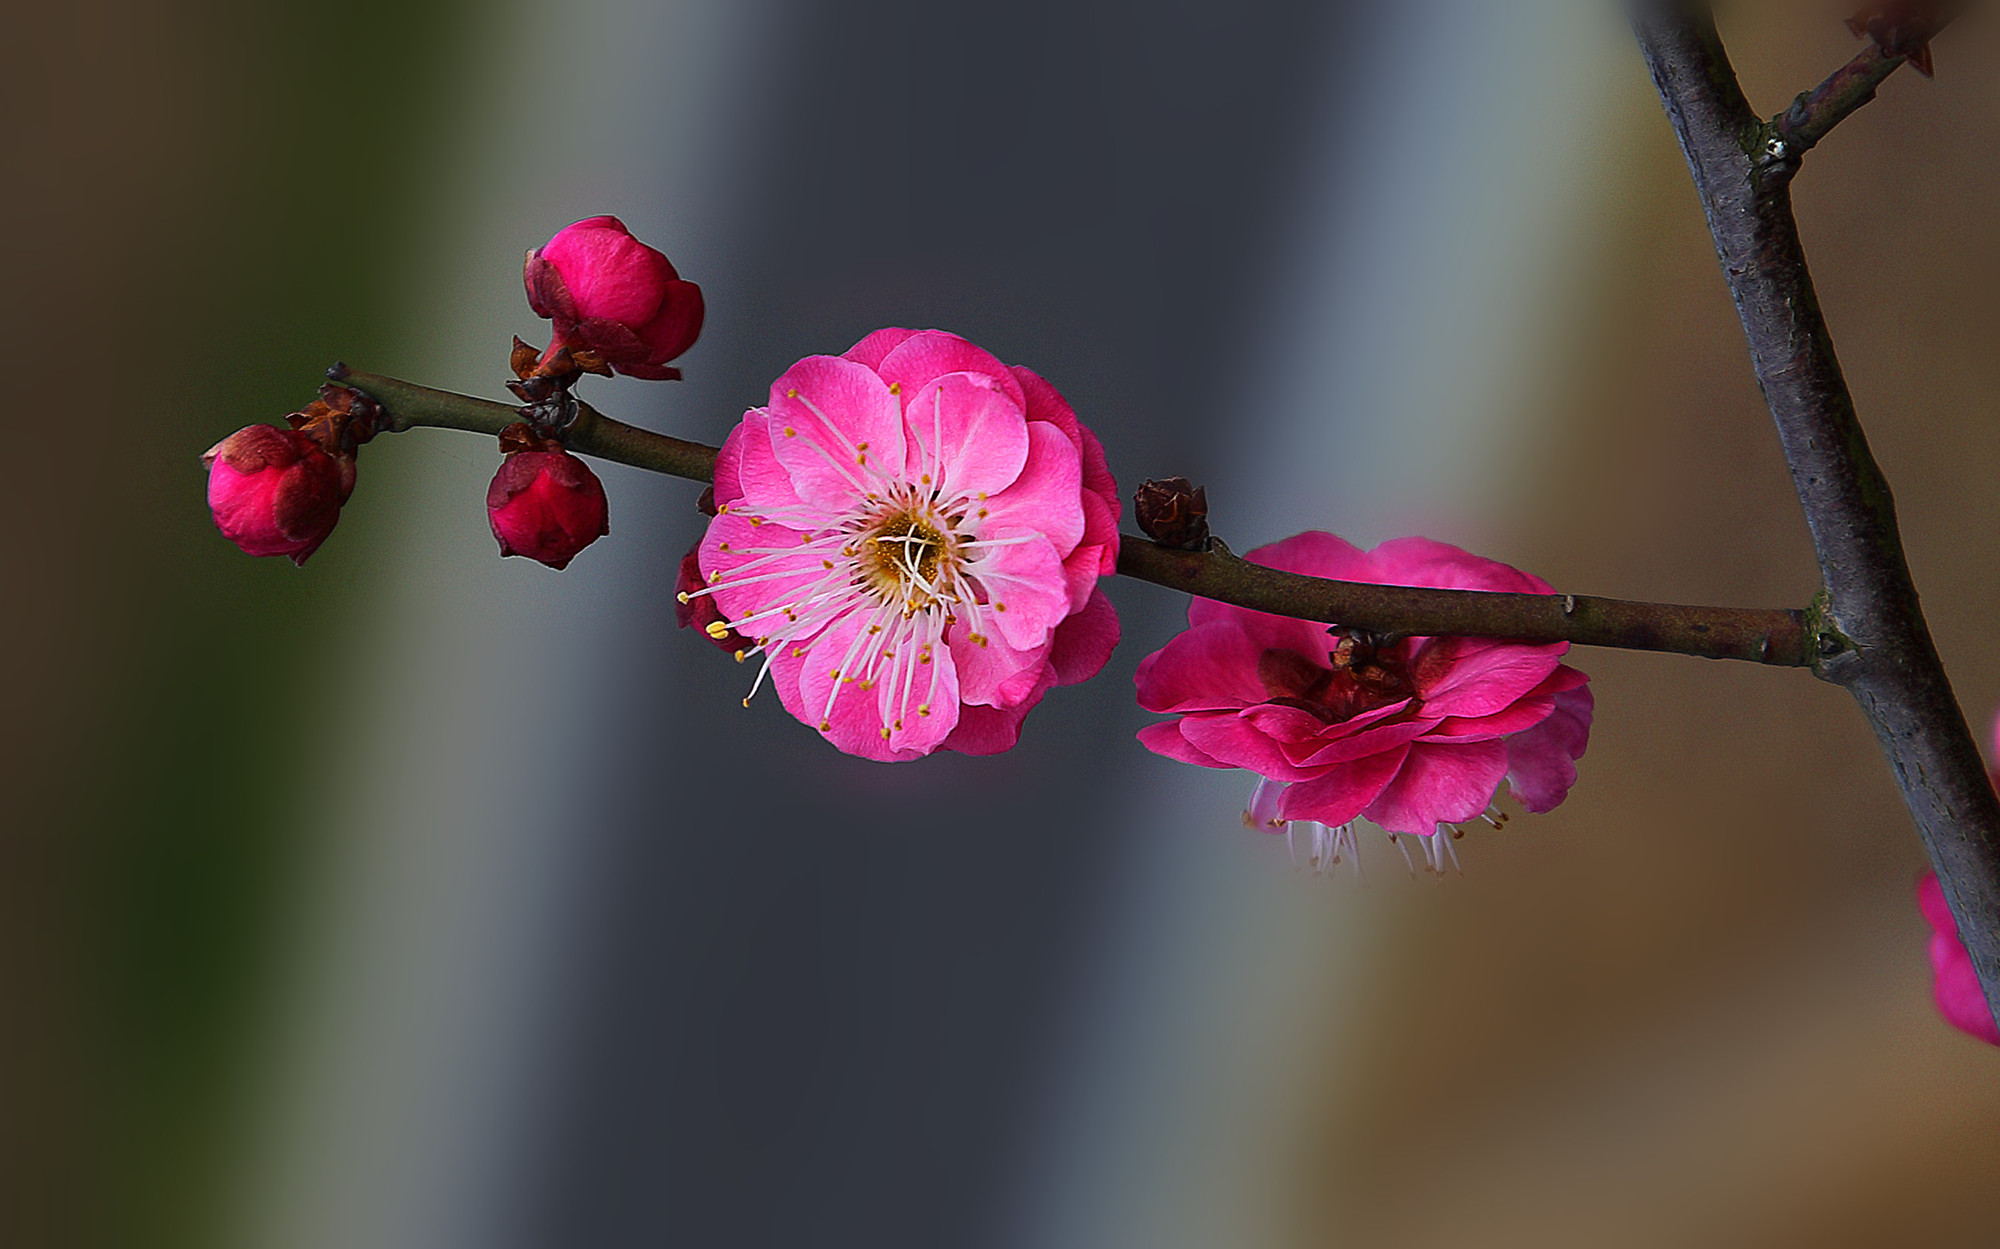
pixel 911 536
pixel 1959 998
pixel 1415 734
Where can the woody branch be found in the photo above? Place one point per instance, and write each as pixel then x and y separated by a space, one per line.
pixel 1770 636
pixel 1743 166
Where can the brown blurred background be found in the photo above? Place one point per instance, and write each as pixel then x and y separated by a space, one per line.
pixel 1690 1006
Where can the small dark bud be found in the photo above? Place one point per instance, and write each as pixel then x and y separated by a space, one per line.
pixel 1173 512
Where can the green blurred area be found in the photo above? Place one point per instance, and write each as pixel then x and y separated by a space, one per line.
pixel 222 201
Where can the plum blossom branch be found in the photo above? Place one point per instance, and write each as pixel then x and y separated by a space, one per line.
pixel 1770 636
pixel 1891 665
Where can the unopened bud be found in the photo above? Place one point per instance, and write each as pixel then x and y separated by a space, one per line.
pixel 546 505
pixel 617 305
pixel 276 491
pixel 1173 512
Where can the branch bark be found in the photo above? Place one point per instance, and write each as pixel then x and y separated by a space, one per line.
pixel 1892 667
pixel 1758 635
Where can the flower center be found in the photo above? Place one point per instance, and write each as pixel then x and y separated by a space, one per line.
pixel 902 557
pixel 1357 677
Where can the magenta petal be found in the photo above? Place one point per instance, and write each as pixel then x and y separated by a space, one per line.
pixel 1083 643
pixel 1238 742
pixel 747 471
pixel 1930 900
pixel 1209 668
pixel 1027 594
pixel 1480 676
pixel 1541 761
pixel 1045 403
pixel 930 354
pixel 1440 784
pixel 1427 562
pixel 827 417
pixel 1373 740
pixel 1043 497
pixel 966 434
pixel 1338 796
pixel 1525 714
pixel 1165 738
pixel 870 350
pixel 1959 998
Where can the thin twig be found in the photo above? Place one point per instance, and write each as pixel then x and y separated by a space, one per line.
pixel 1769 636
pixel 1892 667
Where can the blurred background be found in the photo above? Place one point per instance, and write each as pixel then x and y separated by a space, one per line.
pixel 424 899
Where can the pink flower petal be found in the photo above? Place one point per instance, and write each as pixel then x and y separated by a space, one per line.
pixel 1930 900
pixel 870 350
pixel 1480 676
pixel 746 470
pixel 1373 740
pixel 1426 562
pixel 1237 741
pixel 1083 643
pixel 1043 497
pixel 1525 714
pixel 928 355
pixel 1440 784
pixel 828 417
pixel 1165 738
pixel 1541 761
pixel 1027 594
pixel 853 718
pixel 1045 403
pixel 967 435
pixel 1211 667
pixel 1338 796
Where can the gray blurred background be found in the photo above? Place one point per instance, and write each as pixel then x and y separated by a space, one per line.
pixel 424 899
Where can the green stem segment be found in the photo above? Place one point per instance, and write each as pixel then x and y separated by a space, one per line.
pixel 1767 636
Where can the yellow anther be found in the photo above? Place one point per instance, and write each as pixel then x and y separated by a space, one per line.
pixel 999 607
pixel 926 479
pixel 739 659
pixel 895 388
pixel 746 704
pixel 923 709
pixel 874 628
pixel 982 513
pixel 716 629
pixel 681 597
pixel 790 432
pixel 885 734
pixel 793 393
pixel 722 546
pixel 824 725
pixel 826 563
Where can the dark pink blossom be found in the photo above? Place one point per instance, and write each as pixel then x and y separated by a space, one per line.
pixel 276 491
pixel 546 505
pixel 614 299
pixel 1959 998
pixel 1415 734
pixel 911 535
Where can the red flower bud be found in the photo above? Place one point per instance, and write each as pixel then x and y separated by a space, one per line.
pixel 276 491
pixel 546 505
pixel 617 304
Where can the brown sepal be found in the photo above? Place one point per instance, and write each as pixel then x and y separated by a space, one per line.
pixel 340 420
pixel 1904 27
pixel 521 436
pixel 522 358
pixel 1173 512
